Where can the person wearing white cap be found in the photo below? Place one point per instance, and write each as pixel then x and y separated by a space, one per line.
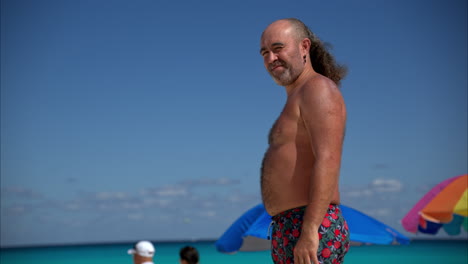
pixel 143 252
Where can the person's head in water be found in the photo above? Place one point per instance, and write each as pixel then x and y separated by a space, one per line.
pixel 189 255
pixel 289 47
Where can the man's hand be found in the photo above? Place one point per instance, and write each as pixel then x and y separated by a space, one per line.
pixel 305 251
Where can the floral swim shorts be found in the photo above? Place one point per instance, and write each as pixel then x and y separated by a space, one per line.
pixel 333 235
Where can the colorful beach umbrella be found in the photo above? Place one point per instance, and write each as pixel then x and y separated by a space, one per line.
pixel 250 231
pixel 444 206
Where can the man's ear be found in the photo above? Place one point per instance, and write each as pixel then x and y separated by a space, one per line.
pixel 305 46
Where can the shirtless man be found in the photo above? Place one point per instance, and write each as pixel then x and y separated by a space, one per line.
pixel 300 170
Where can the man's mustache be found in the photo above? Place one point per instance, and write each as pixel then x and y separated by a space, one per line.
pixel 276 64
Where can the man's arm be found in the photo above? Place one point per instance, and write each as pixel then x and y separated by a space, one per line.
pixel 323 111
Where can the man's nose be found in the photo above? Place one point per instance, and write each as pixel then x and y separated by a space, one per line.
pixel 271 57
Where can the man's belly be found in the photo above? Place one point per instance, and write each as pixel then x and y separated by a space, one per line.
pixel 284 196
pixel 285 180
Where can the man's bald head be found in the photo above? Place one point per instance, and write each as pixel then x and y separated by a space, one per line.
pixel 291 26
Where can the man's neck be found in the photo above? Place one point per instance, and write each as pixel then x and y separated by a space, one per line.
pixel 305 75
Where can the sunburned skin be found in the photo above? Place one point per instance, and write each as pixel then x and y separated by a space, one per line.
pixel 287 166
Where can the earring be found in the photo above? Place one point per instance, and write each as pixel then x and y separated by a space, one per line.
pixel 305 60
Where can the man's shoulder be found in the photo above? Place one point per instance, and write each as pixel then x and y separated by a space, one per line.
pixel 318 92
pixel 318 83
pixel 319 86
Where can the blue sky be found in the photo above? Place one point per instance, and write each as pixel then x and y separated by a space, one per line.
pixel 127 120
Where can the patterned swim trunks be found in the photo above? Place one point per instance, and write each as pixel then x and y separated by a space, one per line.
pixel 333 234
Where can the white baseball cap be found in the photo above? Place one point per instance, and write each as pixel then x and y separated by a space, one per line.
pixel 142 248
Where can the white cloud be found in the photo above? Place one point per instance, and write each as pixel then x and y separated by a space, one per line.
pixel 375 196
pixel 358 193
pixel 374 188
pixel 172 191
pixel 381 212
pixel 72 206
pixel 234 198
pixel 227 181
pixel 135 216
pixel 209 181
pixel 20 192
pixel 111 195
pixel 208 213
pixel 207 204
pixel 149 201
pixel 17 209
pixel 386 185
pixel 131 205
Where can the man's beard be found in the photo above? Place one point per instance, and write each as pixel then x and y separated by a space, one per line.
pixel 287 77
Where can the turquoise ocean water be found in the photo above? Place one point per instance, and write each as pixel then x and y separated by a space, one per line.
pixel 427 252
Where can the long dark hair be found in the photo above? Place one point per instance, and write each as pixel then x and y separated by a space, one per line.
pixel 322 60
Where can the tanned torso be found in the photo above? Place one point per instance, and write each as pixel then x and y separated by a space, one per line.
pixel 287 167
